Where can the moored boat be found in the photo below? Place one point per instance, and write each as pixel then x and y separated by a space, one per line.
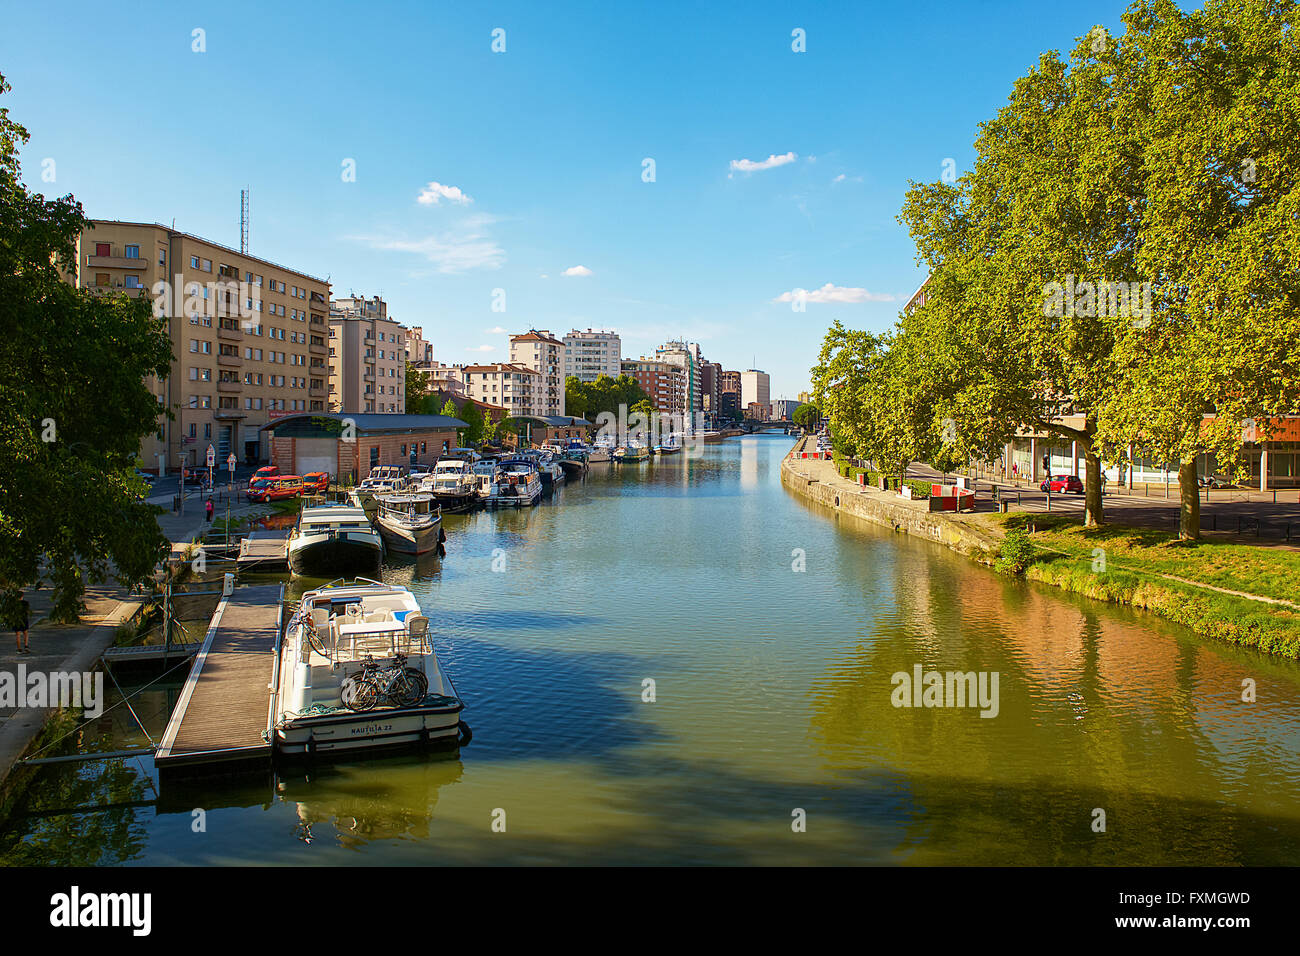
pixel 357 671
pixel 334 539
pixel 409 521
pixel 515 483
pixel 454 485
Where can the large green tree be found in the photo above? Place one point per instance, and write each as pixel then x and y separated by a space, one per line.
pixel 1121 261
pixel 73 405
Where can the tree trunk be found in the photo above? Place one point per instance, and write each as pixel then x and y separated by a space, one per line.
pixel 1093 515
pixel 1189 503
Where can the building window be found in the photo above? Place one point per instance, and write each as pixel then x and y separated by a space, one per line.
pixel 103 250
pixel 133 252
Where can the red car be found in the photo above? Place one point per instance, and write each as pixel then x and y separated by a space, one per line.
pixel 1059 484
pixel 315 481
pixel 270 471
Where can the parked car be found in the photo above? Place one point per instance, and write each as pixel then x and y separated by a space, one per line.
pixel 270 471
pixel 1058 484
pixel 315 481
pixel 274 488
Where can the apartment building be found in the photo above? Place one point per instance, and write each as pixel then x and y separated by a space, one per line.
pixel 783 409
pixel 248 336
pixel 544 354
pixel 591 354
pixel 664 382
pixel 688 357
pixel 419 351
pixel 446 378
pixel 755 388
pixel 367 358
pixel 710 386
pixel 516 387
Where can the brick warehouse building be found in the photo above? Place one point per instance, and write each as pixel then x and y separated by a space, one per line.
pixel 317 442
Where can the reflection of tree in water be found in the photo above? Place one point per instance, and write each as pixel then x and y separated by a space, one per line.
pixel 36 836
pixel 372 800
pixel 1096 711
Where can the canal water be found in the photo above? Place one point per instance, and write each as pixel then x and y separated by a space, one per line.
pixel 772 736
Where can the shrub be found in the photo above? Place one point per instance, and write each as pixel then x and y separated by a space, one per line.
pixel 1016 553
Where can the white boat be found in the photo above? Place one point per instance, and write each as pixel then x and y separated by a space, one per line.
pixel 454 484
pixel 356 670
pixel 409 521
pixel 484 472
pixel 334 539
pixel 382 478
pixel 671 445
pixel 636 450
pixel 516 483
pixel 548 467
pixel 602 450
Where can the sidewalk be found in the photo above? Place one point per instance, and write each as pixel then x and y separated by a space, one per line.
pixel 77 647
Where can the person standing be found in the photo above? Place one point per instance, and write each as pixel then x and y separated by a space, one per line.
pixel 22 621
pixel 208 509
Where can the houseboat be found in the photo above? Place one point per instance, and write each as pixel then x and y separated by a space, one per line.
pixel 356 671
pixel 636 450
pixel 410 522
pixel 334 539
pixel 602 450
pixel 515 483
pixel 454 485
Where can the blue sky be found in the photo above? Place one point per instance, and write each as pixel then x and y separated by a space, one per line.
pixel 540 150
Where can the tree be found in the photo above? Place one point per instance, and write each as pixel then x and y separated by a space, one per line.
pixel 73 405
pixel 472 416
pixel 1125 246
pixel 418 399
pixel 807 417
pixel 450 410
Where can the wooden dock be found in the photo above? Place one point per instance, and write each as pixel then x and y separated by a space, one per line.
pixel 224 708
pixel 264 551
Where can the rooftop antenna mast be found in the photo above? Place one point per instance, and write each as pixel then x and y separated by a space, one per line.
pixel 243 220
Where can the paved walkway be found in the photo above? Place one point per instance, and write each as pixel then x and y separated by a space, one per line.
pixel 76 647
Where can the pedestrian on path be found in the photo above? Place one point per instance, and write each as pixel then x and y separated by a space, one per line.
pixel 208 509
pixel 22 620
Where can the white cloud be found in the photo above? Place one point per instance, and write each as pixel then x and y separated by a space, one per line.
pixel 749 166
pixel 481 348
pixel 834 293
pixel 838 179
pixel 576 271
pixel 496 331
pixel 434 193
pixel 449 252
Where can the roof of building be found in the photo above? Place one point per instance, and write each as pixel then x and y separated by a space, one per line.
pixel 532 335
pixel 501 367
pixel 215 245
pixel 368 424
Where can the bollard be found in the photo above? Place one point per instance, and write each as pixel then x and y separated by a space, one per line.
pixel 227 584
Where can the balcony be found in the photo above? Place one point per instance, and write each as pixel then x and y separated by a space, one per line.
pixel 369 376
pixel 230 388
pixel 117 262
pixel 230 361
pixel 316 391
pixel 230 335
pixel 321 349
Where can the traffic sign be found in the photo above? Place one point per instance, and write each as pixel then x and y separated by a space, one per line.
pixel 212 456
pixel 230 462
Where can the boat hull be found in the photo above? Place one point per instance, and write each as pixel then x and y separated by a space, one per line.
pixel 451 503
pixel 334 554
pixel 406 540
pixel 343 730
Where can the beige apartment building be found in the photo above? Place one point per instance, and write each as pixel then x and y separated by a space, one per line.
pixel 591 354
pixel 446 378
pixel 419 351
pixel 513 386
pixel 367 358
pixel 248 337
pixel 544 354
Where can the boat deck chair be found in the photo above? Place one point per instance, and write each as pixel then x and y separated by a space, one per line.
pixel 417 628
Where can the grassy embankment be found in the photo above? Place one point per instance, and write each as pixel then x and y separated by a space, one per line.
pixel 1135 566
pixel 1128 565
